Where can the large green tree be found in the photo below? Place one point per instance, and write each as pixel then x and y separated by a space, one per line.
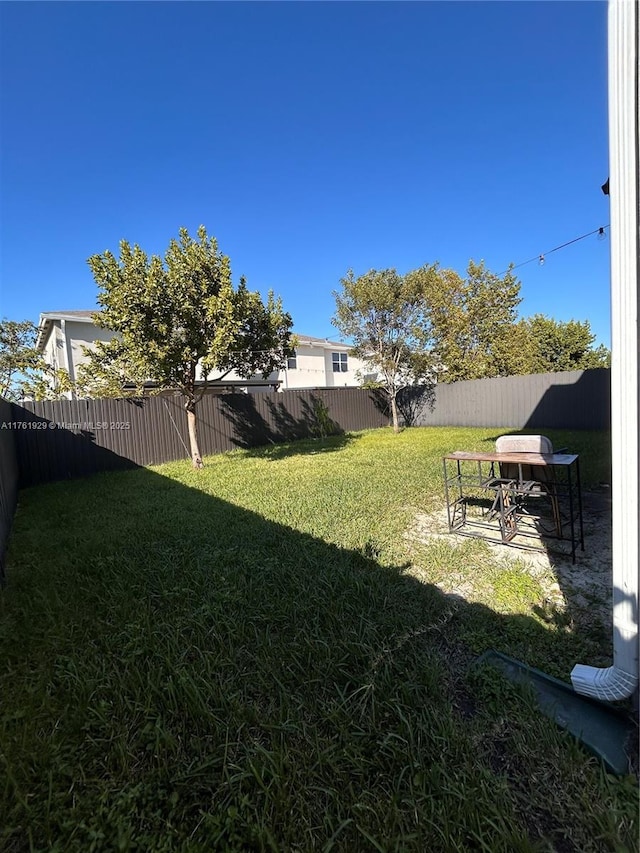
pixel 553 345
pixel 384 315
pixel 23 370
pixel 435 322
pixel 470 322
pixel 179 319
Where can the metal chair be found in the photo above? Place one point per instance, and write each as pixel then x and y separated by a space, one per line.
pixel 529 481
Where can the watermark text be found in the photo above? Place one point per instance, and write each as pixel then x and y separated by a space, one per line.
pixel 83 426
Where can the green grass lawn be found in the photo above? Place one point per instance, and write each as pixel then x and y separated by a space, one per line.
pixel 243 659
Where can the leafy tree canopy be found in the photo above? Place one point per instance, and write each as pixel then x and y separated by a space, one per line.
pixel 179 319
pixel 470 318
pixel 383 313
pixel 434 322
pixel 23 370
pixel 554 345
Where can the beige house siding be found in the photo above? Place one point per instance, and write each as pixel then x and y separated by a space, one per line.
pixel 314 367
pixel 64 337
pixel 63 341
pixel 53 351
pixel 82 335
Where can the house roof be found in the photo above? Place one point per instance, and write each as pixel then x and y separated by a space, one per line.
pixel 320 342
pixel 47 318
pixel 70 315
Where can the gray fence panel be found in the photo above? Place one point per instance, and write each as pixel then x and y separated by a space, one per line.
pixel 74 438
pixel 579 399
pixel 8 478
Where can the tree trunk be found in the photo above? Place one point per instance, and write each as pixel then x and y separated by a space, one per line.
pixel 394 413
pixel 196 459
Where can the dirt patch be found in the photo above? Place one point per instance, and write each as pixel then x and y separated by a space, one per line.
pixel 583 586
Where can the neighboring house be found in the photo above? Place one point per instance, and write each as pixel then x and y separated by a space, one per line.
pixel 320 363
pixel 316 363
pixel 62 336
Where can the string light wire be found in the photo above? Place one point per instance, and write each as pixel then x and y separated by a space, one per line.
pixel 542 256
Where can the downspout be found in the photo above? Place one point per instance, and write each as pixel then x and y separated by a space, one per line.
pixel 620 681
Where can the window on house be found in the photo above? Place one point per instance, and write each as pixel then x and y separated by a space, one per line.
pixel 339 360
pixel 292 362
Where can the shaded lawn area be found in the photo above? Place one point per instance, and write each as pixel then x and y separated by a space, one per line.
pixel 240 659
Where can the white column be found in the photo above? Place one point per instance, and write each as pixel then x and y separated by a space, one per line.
pixel 621 680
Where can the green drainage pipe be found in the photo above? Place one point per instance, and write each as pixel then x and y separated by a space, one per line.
pixel 603 729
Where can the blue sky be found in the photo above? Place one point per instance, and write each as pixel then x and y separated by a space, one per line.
pixel 309 138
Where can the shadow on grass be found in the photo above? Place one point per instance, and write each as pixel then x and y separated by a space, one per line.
pixel 302 447
pixel 591 575
pixel 180 673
